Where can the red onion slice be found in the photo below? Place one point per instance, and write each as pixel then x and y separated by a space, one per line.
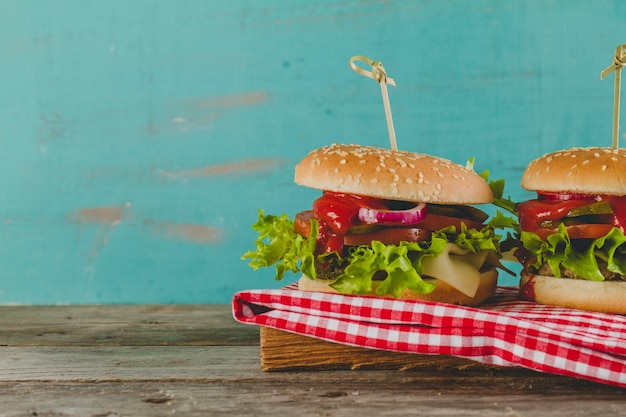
pixel 563 197
pixel 407 217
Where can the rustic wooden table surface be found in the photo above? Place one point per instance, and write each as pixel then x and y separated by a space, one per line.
pixel 195 360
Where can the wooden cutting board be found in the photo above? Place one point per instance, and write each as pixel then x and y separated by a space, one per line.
pixel 284 351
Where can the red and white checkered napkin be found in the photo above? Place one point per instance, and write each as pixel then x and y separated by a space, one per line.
pixel 504 331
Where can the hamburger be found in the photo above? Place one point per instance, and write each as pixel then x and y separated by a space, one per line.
pixel 388 223
pixel 573 248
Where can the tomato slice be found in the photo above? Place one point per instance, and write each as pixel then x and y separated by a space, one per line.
pixel 435 222
pixel 302 223
pixel 388 236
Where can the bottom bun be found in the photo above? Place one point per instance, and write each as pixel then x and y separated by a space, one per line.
pixel 443 293
pixel 600 296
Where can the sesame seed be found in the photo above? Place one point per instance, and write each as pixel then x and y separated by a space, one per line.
pixel 342 162
pixel 603 167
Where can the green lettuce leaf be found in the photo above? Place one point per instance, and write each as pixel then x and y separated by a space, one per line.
pixel 558 250
pixel 402 263
pixel 278 244
pixel 501 221
pixel 613 250
pixel 471 239
pixel 497 188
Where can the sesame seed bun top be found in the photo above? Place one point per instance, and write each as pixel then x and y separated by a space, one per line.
pixel 388 174
pixel 579 171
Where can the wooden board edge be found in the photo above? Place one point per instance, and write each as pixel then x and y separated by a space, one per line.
pixel 284 351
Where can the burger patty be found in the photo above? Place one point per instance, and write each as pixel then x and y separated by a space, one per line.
pixel 330 268
pixel 544 269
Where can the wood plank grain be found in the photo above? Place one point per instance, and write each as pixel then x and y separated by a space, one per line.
pixel 126 363
pixel 129 325
pixel 79 376
pixel 209 364
pixel 333 397
pixel 240 364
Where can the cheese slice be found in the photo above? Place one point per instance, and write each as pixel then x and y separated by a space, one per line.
pixel 460 268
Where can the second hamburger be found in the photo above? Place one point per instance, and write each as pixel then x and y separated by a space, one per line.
pixel 574 248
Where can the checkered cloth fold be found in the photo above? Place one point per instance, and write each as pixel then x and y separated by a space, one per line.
pixel 504 331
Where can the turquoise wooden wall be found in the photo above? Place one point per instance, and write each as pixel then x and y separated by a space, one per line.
pixel 139 138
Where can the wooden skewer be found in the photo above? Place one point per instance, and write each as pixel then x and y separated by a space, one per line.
pixel 619 62
pixel 379 74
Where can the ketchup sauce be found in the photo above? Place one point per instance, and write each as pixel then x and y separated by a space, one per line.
pixel 527 290
pixel 337 213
